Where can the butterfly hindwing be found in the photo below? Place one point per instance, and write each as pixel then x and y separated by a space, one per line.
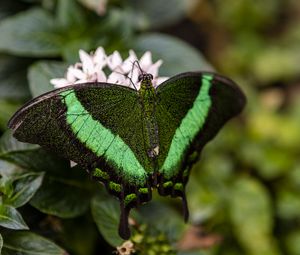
pixel 191 109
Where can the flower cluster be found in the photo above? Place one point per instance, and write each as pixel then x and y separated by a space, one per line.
pixel 93 66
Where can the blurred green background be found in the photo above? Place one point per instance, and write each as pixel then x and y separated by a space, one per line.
pixel 244 194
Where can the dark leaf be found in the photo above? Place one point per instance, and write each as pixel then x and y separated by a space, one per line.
pixel 30 33
pixel 28 243
pixel 9 144
pixel 106 213
pixel 70 14
pixel 164 219
pixel 7 109
pixel 156 13
pixel 13 80
pixel 29 156
pixel 251 215
pixel 65 197
pixel 41 73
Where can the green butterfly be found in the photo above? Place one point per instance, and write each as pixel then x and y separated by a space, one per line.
pixel 133 140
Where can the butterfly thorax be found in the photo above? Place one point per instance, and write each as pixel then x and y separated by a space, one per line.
pixel 148 101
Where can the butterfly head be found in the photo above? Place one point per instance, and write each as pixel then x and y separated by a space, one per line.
pixel 145 77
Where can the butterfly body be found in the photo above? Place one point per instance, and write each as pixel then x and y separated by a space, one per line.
pixel 148 100
pixel 133 140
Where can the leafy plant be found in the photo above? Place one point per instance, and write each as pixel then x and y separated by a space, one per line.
pixel 244 194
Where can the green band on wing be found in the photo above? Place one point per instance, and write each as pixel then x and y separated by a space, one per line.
pixel 129 198
pixel 168 184
pixel 190 126
pixel 115 187
pixel 144 190
pixel 99 173
pixel 102 141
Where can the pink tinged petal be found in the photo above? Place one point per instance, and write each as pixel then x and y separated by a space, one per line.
pixel 101 8
pixel 100 58
pixel 59 82
pixel 114 60
pixel 153 69
pixel 77 73
pixel 70 76
pixel 146 60
pixel 87 62
pixel 116 78
pixel 128 62
pixel 159 80
pixel 101 77
pixel 134 74
pixel 81 81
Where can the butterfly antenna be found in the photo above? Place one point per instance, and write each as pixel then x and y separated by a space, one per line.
pixel 127 76
pixel 138 65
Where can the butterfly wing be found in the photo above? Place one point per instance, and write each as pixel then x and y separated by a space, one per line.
pixel 191 109
pixel 98 126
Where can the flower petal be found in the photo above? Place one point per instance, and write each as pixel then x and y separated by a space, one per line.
pixel 76 72
pixel 146 60
pixel 100 58
pixel 101 77
pixel 116 78
pixel 127 65
pixel 114 60
pixel 153 69
pixel 159 80
pixel 87 62
pixel 59 82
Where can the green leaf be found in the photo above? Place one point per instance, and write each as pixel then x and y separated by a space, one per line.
pixel 1 243
pixel 41 73
pixel 65 192
pixel 11 218
pixel 10 144
pixel 292 242
pixel 71 235
pixel 288 202
pixel 24 187
pixel 9 169
pixel 28 243
pixel 30 33
pixel 29 156
pixel 69 14
pixel 251 216
pixel 7 109
pixel 63 197
pixel 163 218
pixel 156 13
pixel 177 55
pixel 13 80
pixel 106 213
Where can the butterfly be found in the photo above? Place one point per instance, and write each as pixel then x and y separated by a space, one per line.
pixel 133 140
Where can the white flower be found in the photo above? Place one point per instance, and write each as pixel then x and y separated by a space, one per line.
pixel 92 66
pixel 99 6
pixel 127 248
